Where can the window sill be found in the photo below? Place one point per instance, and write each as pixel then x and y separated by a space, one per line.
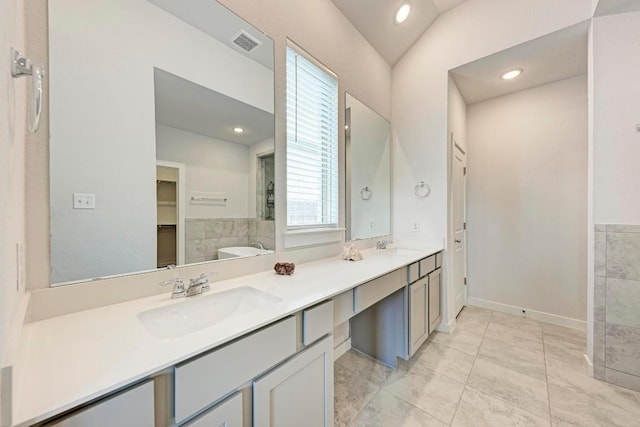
pixel 312 236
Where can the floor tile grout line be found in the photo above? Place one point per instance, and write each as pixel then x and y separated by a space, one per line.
pixel 497 397
pixel 475 359
pixel 546 375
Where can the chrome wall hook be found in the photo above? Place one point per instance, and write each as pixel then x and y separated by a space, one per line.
pixel 22 66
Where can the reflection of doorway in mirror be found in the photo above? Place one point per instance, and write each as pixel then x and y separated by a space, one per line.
pixel 170 213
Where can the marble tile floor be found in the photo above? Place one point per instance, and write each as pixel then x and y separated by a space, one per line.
pixel 494 370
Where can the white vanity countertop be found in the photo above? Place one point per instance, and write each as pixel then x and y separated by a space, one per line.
pixel 69 360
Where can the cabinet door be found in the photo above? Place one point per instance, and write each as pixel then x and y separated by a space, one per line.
pixel 227 414
pixel 131 408
pixel 418 315
pixel 435 284
pixel 299 392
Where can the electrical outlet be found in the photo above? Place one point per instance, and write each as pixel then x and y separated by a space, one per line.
pixel 372 224
pixel 415 226
pixel 84 201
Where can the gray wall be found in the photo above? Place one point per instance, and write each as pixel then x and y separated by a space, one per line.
pixel 527 199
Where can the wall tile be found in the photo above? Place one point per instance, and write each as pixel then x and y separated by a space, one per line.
pixel 194 229
pixel 220 227
pixel 623 228
pixel 211 249
pixel 599 372
pixel 241 227
pixel 600 255
pixel 599 334
pixel 623 255
pixel 194 251
pixel 600 299
pixel 622 379
pixel 623 348
pixel 623 302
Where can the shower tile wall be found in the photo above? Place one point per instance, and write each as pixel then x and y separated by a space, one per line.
pixel 617 305
pixel 263 231
pixel 205 235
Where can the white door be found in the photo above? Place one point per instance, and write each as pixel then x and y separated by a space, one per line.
pixel 459 160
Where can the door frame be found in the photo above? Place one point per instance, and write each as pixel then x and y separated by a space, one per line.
pixel 181 199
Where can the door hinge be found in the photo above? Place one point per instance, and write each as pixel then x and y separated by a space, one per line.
pixel 464 170
pixel 464 225
pixel 465 280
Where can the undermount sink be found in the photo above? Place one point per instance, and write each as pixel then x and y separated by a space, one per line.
pixel 199 312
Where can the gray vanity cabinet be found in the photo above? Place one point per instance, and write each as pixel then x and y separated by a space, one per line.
pixel 229 413
pixel 418 314
pixel 424 300
pixel 298 392
pixel 435 287
pixel 130 408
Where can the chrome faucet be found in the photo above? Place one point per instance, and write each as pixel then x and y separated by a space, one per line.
pixel 382 244
pixel 258 245
pixel 178 287
pixel 198 285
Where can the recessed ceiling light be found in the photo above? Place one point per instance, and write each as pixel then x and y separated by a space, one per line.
pixel 238 129
pixel 511 74
pixel 403 13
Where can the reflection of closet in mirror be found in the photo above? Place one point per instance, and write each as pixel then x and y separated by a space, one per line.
pixel 368 172
pixel 166 199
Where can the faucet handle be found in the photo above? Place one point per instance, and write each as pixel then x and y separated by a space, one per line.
pixel 178 287
pixel 203 280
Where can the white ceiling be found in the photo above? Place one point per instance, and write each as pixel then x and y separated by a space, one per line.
pixel 188 106
pixel 610 7
pixel 375 20
pixel 220 23
pixel 547 59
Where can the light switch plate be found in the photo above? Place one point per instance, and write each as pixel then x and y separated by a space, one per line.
pixel 84 201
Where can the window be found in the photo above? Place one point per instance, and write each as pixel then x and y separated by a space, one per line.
pixel 312 144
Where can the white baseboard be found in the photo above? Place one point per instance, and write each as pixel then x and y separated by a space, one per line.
pixel 587 361
pixel 341 349
pixel 530 314
pixel 447 328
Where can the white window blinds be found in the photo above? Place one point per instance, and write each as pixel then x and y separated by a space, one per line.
pixel 312 144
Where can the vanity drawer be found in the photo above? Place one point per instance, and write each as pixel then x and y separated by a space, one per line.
pixel 371 292
pixel 317 322
pixel 229 413
pixel 413 272
pixel 202 381
pixel 342 307
pixel 439 260
pixel 427 265
pixel 131 408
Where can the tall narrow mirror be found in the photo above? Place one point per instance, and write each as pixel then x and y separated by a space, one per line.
pixel 162 128
pixel 368 172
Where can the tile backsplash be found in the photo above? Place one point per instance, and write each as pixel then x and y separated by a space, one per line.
pixel 205 235
pixel 617 304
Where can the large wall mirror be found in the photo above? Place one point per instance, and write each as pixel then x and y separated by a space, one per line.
pixel 368 143
pixel 162 136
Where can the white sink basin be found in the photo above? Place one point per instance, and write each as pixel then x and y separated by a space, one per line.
pixel 202 311
pixel 241 251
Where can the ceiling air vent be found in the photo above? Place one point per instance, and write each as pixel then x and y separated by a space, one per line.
pixel 245 41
